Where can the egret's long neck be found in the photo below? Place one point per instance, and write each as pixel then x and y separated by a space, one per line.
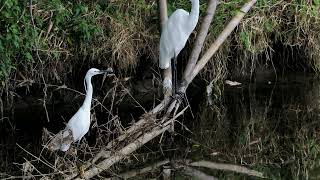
pixel 194 14
pixel 89 88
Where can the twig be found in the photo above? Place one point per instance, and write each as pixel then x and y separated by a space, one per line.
pixel 1 108
pixel 134 128
pixel 227 167
pixel 45 163
pixel 28 177
pixel 107 163
pixel 39 58
pixel 138 125
pixel 31 13
pixel 131 147
pixel 218 42
pixel 73 90
pixel 2 6
pixel 212 5
pixel 133 98
pixel 44 103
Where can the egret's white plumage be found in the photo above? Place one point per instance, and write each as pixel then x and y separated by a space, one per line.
pixel 79 124
pixel 176 32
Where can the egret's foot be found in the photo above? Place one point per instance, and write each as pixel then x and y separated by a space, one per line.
pixel 181 97
pixel 167 87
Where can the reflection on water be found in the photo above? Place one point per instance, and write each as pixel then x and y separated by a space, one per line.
pixel 270 127
pixel 274 128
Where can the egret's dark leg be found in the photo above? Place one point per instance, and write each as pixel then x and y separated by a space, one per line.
pixel 78 145
pixel 174 75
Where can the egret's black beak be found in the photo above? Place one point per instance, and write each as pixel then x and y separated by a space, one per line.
pixel 108 71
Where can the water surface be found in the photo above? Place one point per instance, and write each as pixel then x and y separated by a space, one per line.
pixel 270 126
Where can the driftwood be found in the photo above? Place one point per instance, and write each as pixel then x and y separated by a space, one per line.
pixel 227 167
pixel 149 126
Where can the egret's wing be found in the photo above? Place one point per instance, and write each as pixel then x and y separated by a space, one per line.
pixel 78 123
pixel 178 26
pixel 61 140
pixel 173 37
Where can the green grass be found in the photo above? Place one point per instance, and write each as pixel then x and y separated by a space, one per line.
pixel 118 33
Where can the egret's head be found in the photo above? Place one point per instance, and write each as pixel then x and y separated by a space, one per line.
pixel 94 71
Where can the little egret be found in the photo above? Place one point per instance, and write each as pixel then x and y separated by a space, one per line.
pixel 175 34
pixel 79 124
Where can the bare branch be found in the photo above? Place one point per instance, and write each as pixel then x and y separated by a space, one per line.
pixel 163 12
pixel 131 147
pixel 167 73
pixel 221 38
pixel 211 8
pixel 107 163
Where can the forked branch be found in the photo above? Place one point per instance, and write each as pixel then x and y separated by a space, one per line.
pixel 201 37
pixel 219 41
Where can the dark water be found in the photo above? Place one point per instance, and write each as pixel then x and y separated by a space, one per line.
pixel 273 127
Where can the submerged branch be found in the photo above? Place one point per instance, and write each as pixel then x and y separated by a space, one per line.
pixel 144 170
pixel 189 171
pixel 227 167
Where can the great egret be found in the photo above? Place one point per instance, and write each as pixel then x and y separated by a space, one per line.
pixel 175 34
pixel 79 124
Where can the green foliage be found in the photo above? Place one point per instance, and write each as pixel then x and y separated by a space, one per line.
pixel 20 39
pixel 13 37
pixel 90 28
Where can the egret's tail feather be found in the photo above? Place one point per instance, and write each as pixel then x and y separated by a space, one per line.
pixel 61 141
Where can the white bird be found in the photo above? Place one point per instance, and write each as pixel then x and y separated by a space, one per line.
pixel 175 34
pixel 79 124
